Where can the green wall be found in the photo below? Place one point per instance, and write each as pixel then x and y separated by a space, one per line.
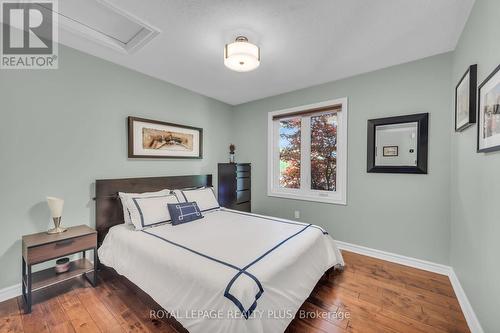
pixel 475 178
pixel 405 214
pixel 60 130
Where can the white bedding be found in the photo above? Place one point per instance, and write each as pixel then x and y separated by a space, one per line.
pixel 213 273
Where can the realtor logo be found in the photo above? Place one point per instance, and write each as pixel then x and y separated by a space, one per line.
pixel 29 34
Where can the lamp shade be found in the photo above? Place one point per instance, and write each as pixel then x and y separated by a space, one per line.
pixel 241 55
pixel 56 206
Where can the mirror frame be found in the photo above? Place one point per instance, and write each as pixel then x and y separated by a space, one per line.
pixel 422 143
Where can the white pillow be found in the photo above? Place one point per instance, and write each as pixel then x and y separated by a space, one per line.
pixel 125 203
pixel 179 195
pixel 204 197
pixel 150 211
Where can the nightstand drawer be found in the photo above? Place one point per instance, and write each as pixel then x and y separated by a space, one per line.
pixel 61 248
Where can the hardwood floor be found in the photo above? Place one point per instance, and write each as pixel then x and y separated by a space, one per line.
pixel 372 296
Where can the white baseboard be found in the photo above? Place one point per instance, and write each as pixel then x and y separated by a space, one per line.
pixel 467 309
pixel 470 315
pixel 396 258
pixel 10 292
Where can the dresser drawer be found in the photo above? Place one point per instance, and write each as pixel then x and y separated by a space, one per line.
pixel 242 167
pixel 242 174
pixel 62 248
pixel 242 196
pixel 242 184
pixel 243 207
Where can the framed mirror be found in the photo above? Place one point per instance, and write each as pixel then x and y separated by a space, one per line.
pixel 398 144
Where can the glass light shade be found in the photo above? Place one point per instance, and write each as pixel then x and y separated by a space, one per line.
pixel 56 206
pixel 241 56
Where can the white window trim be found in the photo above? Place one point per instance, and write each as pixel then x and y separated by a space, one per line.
pixel 338 197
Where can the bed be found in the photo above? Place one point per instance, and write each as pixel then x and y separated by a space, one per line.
pixel 228 272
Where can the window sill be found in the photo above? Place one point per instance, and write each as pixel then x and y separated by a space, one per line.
pixel 330 200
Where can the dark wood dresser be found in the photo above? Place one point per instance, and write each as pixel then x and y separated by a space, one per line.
pixel 234 186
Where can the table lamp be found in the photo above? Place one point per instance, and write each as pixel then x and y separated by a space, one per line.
pixel 56 208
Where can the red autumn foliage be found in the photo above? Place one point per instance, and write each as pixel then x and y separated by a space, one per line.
pixel 323 152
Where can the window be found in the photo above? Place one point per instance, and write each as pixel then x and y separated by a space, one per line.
pixel 307 149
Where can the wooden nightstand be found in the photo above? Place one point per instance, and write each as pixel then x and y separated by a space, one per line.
pixel 41 247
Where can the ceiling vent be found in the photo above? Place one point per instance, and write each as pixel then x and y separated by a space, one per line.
pixel 102 22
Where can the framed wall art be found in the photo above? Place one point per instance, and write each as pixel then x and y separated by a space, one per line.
pixel 488 125
pixel 465 99
pixel 157 139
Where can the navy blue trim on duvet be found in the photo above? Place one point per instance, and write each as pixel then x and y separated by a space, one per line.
pixel 246 313
pixel 250 310
pixel 240 271
pixel 193 251
pixel 280 221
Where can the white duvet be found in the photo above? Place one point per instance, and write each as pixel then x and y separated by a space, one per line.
pixel 228 272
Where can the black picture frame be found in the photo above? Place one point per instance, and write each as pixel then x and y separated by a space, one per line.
pixel 492 148
pixel 132 138
pixel 422 119
pixel 472 72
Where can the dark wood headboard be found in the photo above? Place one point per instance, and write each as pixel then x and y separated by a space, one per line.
pixel 109 211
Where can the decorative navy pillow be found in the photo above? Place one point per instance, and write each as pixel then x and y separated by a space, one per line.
pixel 184 212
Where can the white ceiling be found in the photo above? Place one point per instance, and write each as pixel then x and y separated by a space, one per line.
pixel 303 42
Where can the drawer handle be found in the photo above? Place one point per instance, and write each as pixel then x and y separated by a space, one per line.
pixel 64 243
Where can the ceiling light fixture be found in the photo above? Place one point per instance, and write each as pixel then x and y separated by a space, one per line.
pixel 241 55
